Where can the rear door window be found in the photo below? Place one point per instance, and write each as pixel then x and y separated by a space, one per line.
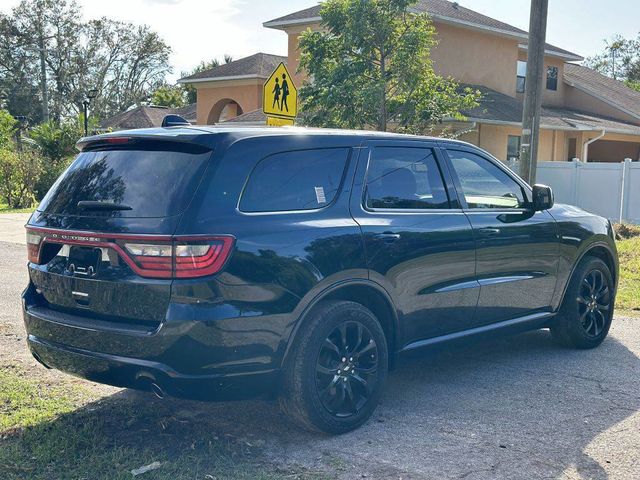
pixel 293 181
pixel 145 180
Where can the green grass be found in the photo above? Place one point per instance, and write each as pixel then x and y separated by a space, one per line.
pixel 4 208
pixel 628 297
pixel 26 404
pixel 59 431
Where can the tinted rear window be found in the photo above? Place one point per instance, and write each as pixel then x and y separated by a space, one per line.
pixel 156 180
pixel 300 180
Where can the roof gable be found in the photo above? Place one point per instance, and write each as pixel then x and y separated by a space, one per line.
pixel 442 10
pixel 259 65
pixel 604 88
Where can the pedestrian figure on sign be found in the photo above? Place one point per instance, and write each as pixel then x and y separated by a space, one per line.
pixel 285 92
pixel 276 95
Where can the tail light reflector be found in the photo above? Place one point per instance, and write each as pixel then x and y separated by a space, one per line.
pixel 149 256
pixel 34 241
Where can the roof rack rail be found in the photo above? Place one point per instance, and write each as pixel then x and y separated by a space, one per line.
pixel 173 121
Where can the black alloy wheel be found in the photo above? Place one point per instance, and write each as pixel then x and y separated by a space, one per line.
pixel 585 316
pixel 594 303
pixel 334 376
pixel 346 369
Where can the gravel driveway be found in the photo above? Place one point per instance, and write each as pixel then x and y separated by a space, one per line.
pixel 517 407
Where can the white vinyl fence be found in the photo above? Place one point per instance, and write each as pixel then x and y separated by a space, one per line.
pixel 608 189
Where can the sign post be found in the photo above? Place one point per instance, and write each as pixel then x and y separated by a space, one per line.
pixel 280 98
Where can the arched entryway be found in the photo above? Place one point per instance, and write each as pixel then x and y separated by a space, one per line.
pixel 224 109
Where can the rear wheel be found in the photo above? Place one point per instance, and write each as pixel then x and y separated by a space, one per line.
pixel 336 371
pixel 586 313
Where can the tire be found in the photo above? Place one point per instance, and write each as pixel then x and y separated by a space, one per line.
pixel 587 309
pixel 323 384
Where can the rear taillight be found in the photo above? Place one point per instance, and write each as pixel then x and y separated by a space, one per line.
pixel 182 258
pixel 149 256
pixel 34 241
pixel 153 259
pixel 199 259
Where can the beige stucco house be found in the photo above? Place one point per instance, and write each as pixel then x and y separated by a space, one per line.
pixel 585 114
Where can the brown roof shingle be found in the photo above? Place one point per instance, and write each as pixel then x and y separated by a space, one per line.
pixel 260 65
pixel 606 88
pixel 254 116
pixel 439 9
pixel 500 108
pixel 147 116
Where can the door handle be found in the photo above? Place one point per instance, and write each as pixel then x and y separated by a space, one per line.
pixel 388 237
pixel 488 232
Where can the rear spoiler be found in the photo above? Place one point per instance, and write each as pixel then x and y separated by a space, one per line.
pixel 175 135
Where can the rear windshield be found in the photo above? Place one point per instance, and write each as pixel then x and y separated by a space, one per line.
pixel 155 180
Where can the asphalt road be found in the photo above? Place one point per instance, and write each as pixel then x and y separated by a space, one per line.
pixel 517 407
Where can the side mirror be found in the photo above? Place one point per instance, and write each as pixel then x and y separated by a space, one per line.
pixel 542 197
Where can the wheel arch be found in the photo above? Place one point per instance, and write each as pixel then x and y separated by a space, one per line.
pixel 599 250
pixel 604 254
pixel 368 294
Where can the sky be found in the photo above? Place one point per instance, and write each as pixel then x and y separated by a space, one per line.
pixel 203 29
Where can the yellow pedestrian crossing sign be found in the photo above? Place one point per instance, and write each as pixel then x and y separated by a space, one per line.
pixel 280 97
pixel 280 122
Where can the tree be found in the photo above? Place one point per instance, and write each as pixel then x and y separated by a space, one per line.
pixel 370 68
pixel 56 145
pixel 620 60
pixel 20 169
pixel 19 74
pixel 44 43
pixel 169 96
pixel 7 128
pixel 57 141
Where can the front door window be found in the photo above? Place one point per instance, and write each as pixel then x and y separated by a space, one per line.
pixel 405 179
pixel 484 185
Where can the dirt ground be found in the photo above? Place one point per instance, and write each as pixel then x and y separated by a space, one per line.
pixel 517 407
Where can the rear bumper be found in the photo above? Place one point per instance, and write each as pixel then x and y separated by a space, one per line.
pixel 223 359
pixel 142 374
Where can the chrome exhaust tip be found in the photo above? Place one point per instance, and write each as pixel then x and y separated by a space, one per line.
pixel 157 391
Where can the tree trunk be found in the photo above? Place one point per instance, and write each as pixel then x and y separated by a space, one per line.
pixel 382 119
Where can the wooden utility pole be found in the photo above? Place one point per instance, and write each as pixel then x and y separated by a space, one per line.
pixel 533 90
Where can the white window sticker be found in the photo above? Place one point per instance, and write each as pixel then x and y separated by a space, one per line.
pixel 320 195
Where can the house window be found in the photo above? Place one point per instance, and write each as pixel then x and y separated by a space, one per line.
pixel 513 147
pixel 521 72
pixel 552 78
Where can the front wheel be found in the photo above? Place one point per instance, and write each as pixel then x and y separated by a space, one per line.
pixel 587 310
pixel 337 369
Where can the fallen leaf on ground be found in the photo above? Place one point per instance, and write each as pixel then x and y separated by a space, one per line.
pixel 146 468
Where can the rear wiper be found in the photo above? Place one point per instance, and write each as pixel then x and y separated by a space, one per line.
pixel 95 205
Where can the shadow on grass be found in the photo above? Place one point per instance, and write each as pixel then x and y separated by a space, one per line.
pixel 516 407
pixel 108 438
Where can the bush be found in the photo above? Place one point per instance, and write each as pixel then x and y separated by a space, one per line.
pixel 7 129
pixel 626 230
pixel 29 165
pixel 57 145
pixel 19 174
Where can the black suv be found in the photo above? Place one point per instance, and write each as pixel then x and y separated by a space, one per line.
pixel 229 262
